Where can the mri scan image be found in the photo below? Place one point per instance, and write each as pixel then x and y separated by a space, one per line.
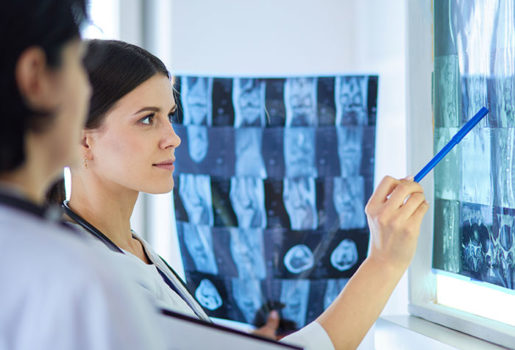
pixel 447 173
pixel 504 156
pixel 300 97
pixel 247 251
pixel 248 201
pixel 299 152
pixel 195 193
pixel 447 250
pixel 447 91
pixel 249 158
pixel 299 258
pixel 249 102
pixel 196 100
pixel 345 255
pixel 351 100
pixel 207 295
pixel 333 289
pixel 248 296
pixel 294 295
pixel 198 142
pixel 350 150
pixel 199 243
pixel 476 170
pixel 349 201
pixel 299 198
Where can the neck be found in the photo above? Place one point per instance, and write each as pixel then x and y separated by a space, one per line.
pixel 105 205
pixel 27 182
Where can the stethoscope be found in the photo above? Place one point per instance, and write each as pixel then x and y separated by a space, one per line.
pixel 110 244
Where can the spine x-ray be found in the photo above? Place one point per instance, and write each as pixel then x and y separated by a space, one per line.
pixel 272 178
pixel 474 221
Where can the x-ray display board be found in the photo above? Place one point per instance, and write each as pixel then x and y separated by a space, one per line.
pixel 474 221
pixel 271 182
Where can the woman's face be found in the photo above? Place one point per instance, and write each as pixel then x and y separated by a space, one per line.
pixel 135 145
pixel 71 95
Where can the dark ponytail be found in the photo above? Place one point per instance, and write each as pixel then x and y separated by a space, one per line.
pixel 114 68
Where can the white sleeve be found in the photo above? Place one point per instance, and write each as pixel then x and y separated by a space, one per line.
pixel 311 337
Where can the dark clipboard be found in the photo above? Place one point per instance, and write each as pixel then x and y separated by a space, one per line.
pixel 185 332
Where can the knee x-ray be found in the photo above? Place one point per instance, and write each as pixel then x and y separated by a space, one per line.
pixel 474 221
pixel 272 177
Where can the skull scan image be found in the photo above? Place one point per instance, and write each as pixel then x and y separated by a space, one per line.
pixel 199 243
pixel 351 100
pixel 249 159
pixel 248 201
pixel 208 296
pixel 248 253
pixel 294 295
pixel 196 96
pixel 299 152
pixel 300 96
pixel 300 201
pixel 345 255
pixel 333 289
pixel 299 258
pixel 198 142
pixel 348 199
pixel 350 150
pixel 195 193
pixel 248 296
pixel 249 102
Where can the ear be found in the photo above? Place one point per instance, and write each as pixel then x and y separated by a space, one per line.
pixel 86 143
pixel 34 79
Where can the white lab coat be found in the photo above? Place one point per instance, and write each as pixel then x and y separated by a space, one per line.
pixel 311 337
pixel 59 293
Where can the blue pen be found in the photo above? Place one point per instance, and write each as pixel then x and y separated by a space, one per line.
pixel 454 141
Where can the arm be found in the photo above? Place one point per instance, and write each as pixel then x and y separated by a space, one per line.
pixel 394 214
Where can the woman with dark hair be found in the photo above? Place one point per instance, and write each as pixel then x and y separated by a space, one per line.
pixel 57 292
pixel 128 146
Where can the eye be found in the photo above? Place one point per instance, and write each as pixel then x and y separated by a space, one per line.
pixel 147 120
pixel 172 117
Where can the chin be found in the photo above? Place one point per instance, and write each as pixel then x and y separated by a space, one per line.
pixel 159 188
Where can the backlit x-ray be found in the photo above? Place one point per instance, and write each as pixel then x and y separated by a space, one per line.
pixel 349 150
pixel 345 255
pixel 248 253
pixel 299 199
pixel 299 258
pixel 294 295
pixel 299 152
pixel 196 100
pixel 248 201
pixel 195 193
pixel 249 158
pixel 300 96
pixel 198 242
pixel 272 177
pixel 349 201
pixel 208 296
pixel 249 102
pixel 351 100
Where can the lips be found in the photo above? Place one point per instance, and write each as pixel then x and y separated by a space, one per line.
pixel 166 165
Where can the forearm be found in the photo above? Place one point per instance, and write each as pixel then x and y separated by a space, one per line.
pixel 354 311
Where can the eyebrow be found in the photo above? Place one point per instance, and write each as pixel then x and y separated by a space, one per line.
pixel 156 109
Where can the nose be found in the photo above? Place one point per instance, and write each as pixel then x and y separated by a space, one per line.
pixel 169 138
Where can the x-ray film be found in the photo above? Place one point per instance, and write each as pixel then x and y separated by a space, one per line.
pixel 474 221
pixel 271 182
